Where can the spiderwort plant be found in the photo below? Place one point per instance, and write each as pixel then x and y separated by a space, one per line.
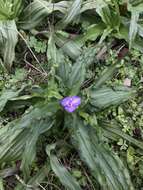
pixel 107 168
pixel 84 132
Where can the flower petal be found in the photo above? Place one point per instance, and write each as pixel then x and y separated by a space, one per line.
pixel 76 100
pixel 70 109
pixel 70 103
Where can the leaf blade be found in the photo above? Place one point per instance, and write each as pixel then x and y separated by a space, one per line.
pixel 103 164
pixel 62 173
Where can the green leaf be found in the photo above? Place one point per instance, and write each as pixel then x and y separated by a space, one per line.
pixel 8 41
pixel 12 142
pixel 133 27
pixel 135 6
pixel 88 56
pixel 62 173
pixel 105 97
pixel 15 135
pixel 69 46
pixel 76 73
pixel 105 166
pixel 109 14
pixel 93 32
pixel 5 10
pixel 64 69
pixel 73 11
pixel 106 75
pixel 9 9
pixel 115 130
pixel 76 77
pixel 140 30
pixel 88 5
pixel 7 95
pixel 17 8
pixel 52 50
pixel 30 148
pixel 123 33
pixel 36 11
pixel 103 10
pixel 106 33
pixel 1 184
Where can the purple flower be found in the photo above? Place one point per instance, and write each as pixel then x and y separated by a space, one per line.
pixel 70 103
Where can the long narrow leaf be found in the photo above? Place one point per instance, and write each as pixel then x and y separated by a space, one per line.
pixel 38 10
pixel 120 134
pixel 105 97
pixel 133 27
pixel 7 95
pixel 8 40
pixel 103 164
pixel 15 135
pixel 30 147
pixel 69 46
pixel 52 50
pixel 76 77
pixel 73 11
pixel 62 173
